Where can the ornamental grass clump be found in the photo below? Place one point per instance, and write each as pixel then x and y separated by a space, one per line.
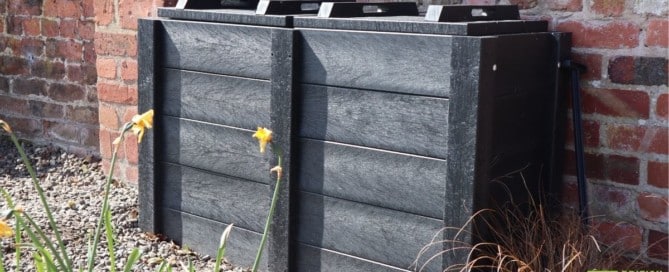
pixel 48 255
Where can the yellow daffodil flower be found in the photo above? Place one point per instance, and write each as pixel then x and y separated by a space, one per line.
pixel 264 136
pixel 5 126
pixel 278 170
pixel 5 230
pixel 141 123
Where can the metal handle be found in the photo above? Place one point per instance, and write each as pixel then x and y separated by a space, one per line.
pixel 350 9
pixel 441 13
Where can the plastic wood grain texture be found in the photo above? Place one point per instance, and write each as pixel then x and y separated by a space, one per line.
pixel 221 149
pixel 318 259
pixel 404 123
pixel 217 48
pixel 214 196
pixel 397 181
pixel 389 62
pixel 378 234
pixel 235 16
pixel 203 235
pixel 232 101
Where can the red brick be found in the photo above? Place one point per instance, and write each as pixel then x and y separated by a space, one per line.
pixel 117 94
pixel 4 85
pixel 118 168
pixel 86 30
pixel 14 105
pixel 622 235
pixel 132 174
pixel 65 49
pixel 25 87
pixel 66 92
pixel 128 113
pixel 590 133
pixel 662 106
pixel 13 66
pixel 68 29
pixel 104 12
pixel 608 8
pixel 524 4
pixel 611 34
pixel 107 137
pixel 108 117
pixel 29 47
pixel 50 28
pixel 23 7
pixel 112 44
pixel 131 149
pixel 658 244
pixel 609 196
pixel 131 10
pixel 24 126
pixel 106 67
pixel 89 8
pixel 593 62
pixel 48 69
pixel 63 9
pixel 639 70
pixel 2 23
pixel 89 53
pixel 638 138
pixel 658 174
pixel 90 75
pixel 129 70
pixel 82 114
pixel 618 103
pixel 657 33
pixel 84 74
pixel 653 207
pixel 31 27
pixel 46 110
pixel 616 168
pixel 15 25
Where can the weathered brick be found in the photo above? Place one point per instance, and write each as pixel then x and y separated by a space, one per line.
pixel 128 113
pixel 14 105
pixel 4 85
pixel 48 69
pixel 88 8
pixel 82 114
pixel 13 65
pixel 653 207
pixel 610 34
pixel 68 28
pixel 15 25
pixel 657 33
pixel 117 94
pixel 113 44
pixel 50 28
pixel 31 27
pixel 131 174
pixel 610 201
pixel 609 8
pixel 662 106
pixel 590 133
pixel 106 67
pixel 658 174
pixel 24 126
pixel 638 70
pixel 655 7
pixel 26 47
pixel 23 86
pixel 90 74
pixel 616 168
pixel 131 10
pixel 65 49
pixel 46 110
pixel 129 70
pixel 658 244
pixel 66 92
pixel 593 62
pixel 104 12
pixel 565 5
pixel 86 30
pixel 108 117
pixel 618 103
pixel 92 95
pixel 90 137
pixel 624 236
pixel 107 137
pixel 62 131
pixel 131 151
pixel 29 7
pixel 645 139
pixel 524 4
pixel 89 53
pixel 63 9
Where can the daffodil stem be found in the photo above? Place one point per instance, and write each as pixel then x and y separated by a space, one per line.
pixel 40 192
pixel 105 206
pixel 272 207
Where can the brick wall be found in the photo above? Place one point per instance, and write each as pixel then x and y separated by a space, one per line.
pixel 116 48
pixel 47 72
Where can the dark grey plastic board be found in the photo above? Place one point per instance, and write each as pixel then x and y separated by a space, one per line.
pixel 392 128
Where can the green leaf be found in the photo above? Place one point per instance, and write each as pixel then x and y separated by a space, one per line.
pixel 109 233
pixel 132 259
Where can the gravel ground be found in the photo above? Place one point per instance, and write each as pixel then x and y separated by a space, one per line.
pixel 74 188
